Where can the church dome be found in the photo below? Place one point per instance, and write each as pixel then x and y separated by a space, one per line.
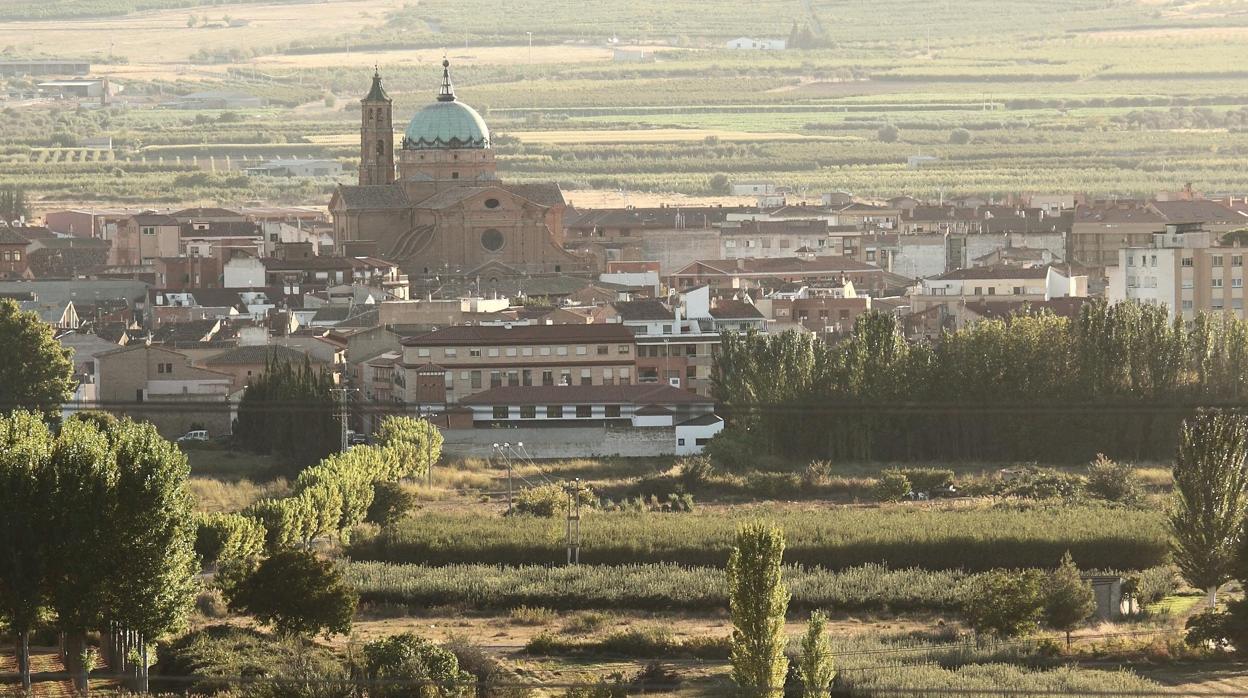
pixel 447 123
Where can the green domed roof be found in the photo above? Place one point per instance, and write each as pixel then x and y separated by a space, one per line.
pixel 446 123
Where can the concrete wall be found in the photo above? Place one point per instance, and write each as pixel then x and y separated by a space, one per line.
pixel 920 256
pixel 565 442
pixel 674 249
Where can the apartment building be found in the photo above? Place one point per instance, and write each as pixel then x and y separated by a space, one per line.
pixel 470 360
pixel 1184 270
pixel 945 294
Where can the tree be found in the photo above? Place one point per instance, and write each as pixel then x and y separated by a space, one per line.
pixel 960 136
pixel 816 666
pixel 720 184
pixel 888 133
pixel 191 21
pixel 407 665
pixel 416 443
pixel 758 601
pixel 290 412
pixel 25 452
pixel 1006 603
pixel 35 370
pixel 1069 600
pixel 297 593
pixel 391 502
pixel 1210 498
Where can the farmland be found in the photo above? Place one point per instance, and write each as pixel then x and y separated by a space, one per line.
pixel 1073 102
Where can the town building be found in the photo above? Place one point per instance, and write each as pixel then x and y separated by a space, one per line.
pixel 751 273
pixel 583 421
pixel 447 214
pixel 1185 269
pixel 466 360
pixel 161 386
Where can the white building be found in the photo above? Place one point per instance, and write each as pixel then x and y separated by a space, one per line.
pixel 752 44
pixel 1182 270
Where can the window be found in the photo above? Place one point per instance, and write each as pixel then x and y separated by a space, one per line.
pixel 1154 261
pixel 581 351
pixel 1217 283
pixel 554 411
pixel 492 352
pixel 423 352
pixel 701 441
pixel 992 290
pixel 1237 283
pixel 511 351
pixel 870 255
pixel 544 351
pixel 561 351
pixel 528 412
pixel 1130 260
pixel 475 353
pixel 612 411
pixel 449 352
pixel 1018 290
pixel 501 411
pixel 1187 305
pixel 1217 260
pixel 148 230
pixel 492 240
pixel 1187 261
pixel 608 376
pixel 603 349
pixel 491 203
pixel 526 377
pixel 624 376
pixel 565 377
pixel 691 372
pixel 587 377
pixel 496 379
pixel 1237 303
pixel 1237 260
pixel 584 411
pixel 623 350
pixel 527 351
pixel 979 290
pixel 1216 304
pixel 513 378
pixel 1187 283
pixel 680 442
pixel 548 377
pixel 475 379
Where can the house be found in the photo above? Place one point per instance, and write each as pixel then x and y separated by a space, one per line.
pixel 585 420
pixel 160 385
pixel 78 88
pixel 220 238
pixel 778 238
pixel 14 263
pixel 830 309
pixel 247 363
pixel 1101 228
pixel 59 314
pixel 468 360
pixel 753 188
pixel 751 44
pixel 940 299
pixel 143 237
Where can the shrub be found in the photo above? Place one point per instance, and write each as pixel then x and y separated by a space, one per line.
pixel 731 450
pixel 1113 482
pixel 694 472
pixel 486 670
pixel 960 136
pixel 392 661
pixel 1042 483
pixel 548 500
pixel 893 486
pixel 215 654
pixel 774 485
pixel 888 133
pixel 391 502
pixel 1006 603
pixel 531 615
pixel 1220 630
pixel 1153 584
pixel 928 480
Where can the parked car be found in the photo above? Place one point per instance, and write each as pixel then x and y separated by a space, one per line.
pixel 194 435
pixel 355 439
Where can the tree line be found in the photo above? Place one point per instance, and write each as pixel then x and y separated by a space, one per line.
pixel 98 535
pixel 1117 379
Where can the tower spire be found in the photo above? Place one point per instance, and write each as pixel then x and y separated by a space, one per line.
pixel 446 93
pixel 377 93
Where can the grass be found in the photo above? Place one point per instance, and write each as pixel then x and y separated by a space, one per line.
pixel 228 465
pixel 926 536
pixel 213 495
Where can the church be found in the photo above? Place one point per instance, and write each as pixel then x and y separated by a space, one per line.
pixel 444 213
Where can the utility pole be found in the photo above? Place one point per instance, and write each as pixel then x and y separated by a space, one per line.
pixel 574 522
pixel 340 396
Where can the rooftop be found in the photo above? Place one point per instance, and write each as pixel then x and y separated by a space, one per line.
pixel 522 334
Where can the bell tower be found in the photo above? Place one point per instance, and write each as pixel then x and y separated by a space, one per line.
pixel 376 136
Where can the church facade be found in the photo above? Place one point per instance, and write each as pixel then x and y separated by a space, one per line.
pixel 438 208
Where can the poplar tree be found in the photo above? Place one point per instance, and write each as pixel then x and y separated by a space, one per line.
pixel 758 600
pixel 816 666
pixel 1210 498
pixel 25 502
